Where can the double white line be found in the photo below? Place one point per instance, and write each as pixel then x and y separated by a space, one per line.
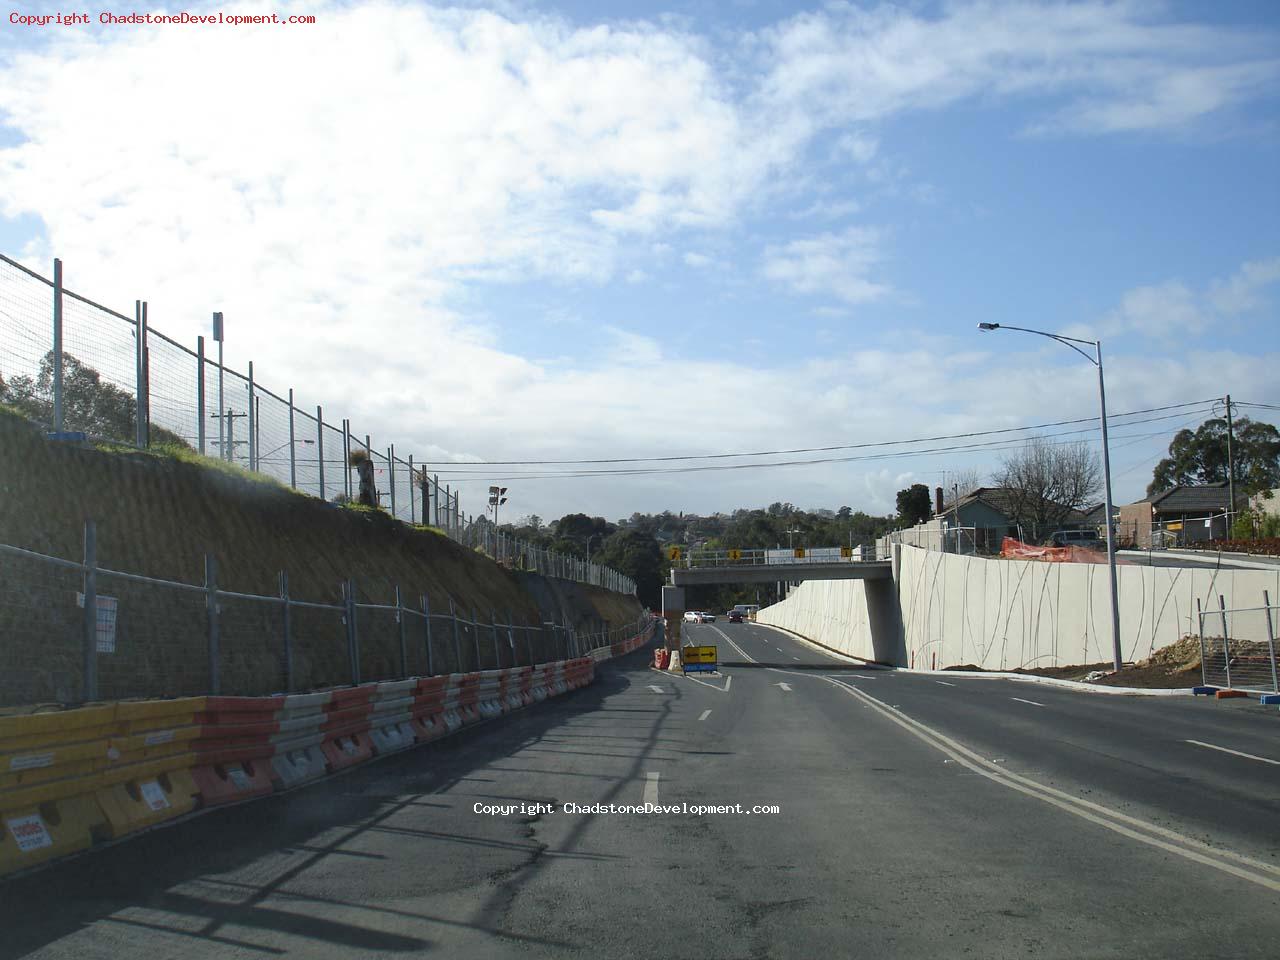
pixel 1246 868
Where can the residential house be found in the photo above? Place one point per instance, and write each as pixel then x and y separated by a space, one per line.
pixel 990 512
pixel 1187 513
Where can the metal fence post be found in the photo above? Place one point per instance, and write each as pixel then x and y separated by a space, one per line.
pixel 320 447
pixel 211 611
pixel 137 374
pixel 353 634
pixel 413 513
pixel 435 500
pixel 404 649
pixel 457 639
pixel 57 344
pixel 200 404
pixel 528 641
pixel 89 685
pixel 475 636
pixel 426 619
pixel 288 631
pixel 1271 640
pixel 346 457
pixel 253 423
pixel 391 475
pixel 511 638
pixel 293 449
pixel 146 381
pixel 1226 642
pixel 497 655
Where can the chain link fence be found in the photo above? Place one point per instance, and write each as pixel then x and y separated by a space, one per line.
pixel 76 632
pixel 74 366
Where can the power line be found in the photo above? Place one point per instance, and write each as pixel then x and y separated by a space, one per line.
pixel 839 446
pixel 987 446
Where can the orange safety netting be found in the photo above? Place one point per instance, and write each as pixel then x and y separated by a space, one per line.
pixel 1012 549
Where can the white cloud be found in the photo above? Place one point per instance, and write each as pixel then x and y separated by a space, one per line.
pixel 697 260
pixel 1115 68
pixel 1170 310
pixel 1242 292
pixel 835 264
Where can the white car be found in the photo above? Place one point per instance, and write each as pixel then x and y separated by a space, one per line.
pixel 691 616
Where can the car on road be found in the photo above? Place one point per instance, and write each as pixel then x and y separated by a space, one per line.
pixel 707 617
pixel 735 616
pixel 1076 538
pixel 691 616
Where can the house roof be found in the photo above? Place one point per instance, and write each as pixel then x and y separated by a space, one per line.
pixel 999 499
pixel 1190 498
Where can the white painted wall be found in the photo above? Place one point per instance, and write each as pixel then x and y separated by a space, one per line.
pixel 1002 614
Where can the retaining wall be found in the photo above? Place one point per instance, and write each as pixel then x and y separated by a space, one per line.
pixel 1004 614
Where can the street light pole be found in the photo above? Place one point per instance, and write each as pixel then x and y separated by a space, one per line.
pixel 1096 360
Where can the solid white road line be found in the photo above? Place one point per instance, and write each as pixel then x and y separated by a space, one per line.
pixel 728 680
pixel 1247 756
pixel 705 714
pixel 742 653
pixel 651 787
pixel 1267 875
pixel 1020 700
pixel 944 683
pixel 795 658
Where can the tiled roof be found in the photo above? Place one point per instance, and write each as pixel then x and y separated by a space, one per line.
pixel 1190 498
pixel 997 498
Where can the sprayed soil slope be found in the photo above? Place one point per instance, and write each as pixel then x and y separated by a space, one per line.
pixel 159 516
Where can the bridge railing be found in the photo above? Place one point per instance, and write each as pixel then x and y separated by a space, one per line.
pixel 863 553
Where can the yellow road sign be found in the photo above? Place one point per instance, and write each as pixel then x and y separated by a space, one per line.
pixel 734 554
pixel 799 551
pixel 673 553
pixel 698 659
pixel 846 551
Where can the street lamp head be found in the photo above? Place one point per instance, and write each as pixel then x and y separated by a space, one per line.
pixel 988 326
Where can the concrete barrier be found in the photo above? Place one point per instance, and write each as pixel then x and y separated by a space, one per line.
pixel 234 748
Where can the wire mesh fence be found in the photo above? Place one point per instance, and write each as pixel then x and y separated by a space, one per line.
pixel 76 632
pixel 1238 646
pixel 167 392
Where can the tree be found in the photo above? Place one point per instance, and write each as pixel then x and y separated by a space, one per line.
pixel 638 556
pixel 1046 482
pixel 89 404
pixel 914 505
pixel 1200 456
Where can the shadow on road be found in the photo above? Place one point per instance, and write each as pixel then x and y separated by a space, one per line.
pixel 136 883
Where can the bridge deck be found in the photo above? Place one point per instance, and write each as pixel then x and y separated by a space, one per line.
pixel 770 573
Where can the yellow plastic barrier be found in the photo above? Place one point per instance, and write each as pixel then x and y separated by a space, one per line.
pixel 147 779
pixel 50 766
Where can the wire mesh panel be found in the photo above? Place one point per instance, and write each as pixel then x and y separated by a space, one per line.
pixel 41 653
pixel 1238 648
pixel 272 443
pixel 157 653
pixel 100 371
pixel 172 381
pixel 320 654
pixel 26 331
pixel 251 659
pixel 379 633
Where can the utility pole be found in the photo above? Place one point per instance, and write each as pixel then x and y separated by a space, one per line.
pixel 1231 469
pixel 227 435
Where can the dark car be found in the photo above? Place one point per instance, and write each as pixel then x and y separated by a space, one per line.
pixel 735 616
pixel 1077 538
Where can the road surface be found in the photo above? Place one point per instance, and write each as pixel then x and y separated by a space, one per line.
pixel 882 815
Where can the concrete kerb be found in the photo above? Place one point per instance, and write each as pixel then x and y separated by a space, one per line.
pixel 1074 685
pixel 1247 561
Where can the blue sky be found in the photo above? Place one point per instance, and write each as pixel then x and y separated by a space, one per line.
pixel 562 231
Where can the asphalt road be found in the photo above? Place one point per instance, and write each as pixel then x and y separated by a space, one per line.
pixel 914 816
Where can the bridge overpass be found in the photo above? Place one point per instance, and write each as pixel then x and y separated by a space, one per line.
pixel 701 567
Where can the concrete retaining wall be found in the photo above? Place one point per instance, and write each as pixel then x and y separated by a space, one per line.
pixel 1004 614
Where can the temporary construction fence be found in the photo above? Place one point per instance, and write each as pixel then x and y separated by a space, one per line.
pixel 1012 549
pixel 82 368
pixel 1238 646
pixel 75 778
pixel 110 634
